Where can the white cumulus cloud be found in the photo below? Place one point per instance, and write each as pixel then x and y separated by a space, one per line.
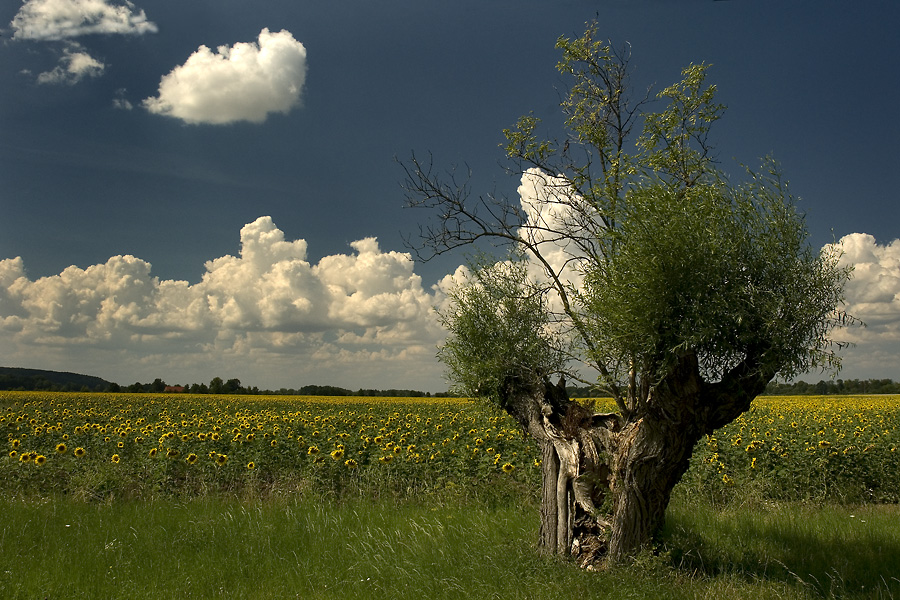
pixel 549 204
pixel 244 82
pixel 75 65
pixel 873 296
pixel 265 316
pixel 62 19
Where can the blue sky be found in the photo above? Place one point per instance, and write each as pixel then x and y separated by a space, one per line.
pixel 219 213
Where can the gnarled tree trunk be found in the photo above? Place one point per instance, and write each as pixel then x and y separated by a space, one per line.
pixel 607 479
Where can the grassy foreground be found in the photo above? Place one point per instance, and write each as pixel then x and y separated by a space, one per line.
pixel 307 547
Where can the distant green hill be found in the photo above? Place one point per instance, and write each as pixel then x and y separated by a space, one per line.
pixel 14 378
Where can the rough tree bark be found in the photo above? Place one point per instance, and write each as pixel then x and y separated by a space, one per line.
pixel 607 479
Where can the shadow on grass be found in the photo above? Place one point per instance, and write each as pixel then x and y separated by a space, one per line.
pixel 832 551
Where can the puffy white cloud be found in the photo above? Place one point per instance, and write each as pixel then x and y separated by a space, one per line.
pixel 555 218
pixel 372 288
pixel 244 82
pixel 873 296
pixel 267 315
pixel 876 273
pixel 547 202
pixel 86 306
pixel 75 65
pixel 12 281
pixel 62 19
pixel 551 208
pixel 269 286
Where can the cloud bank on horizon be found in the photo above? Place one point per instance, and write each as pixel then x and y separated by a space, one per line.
pixel 267 315
pixel 873 296
pixel 273 319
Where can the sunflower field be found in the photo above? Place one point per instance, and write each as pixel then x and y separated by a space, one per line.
pixel 838 448
pixel 100 446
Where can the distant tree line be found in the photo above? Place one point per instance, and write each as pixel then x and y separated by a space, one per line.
pixel 233 386
pixel 833 387
pixel 215 386
pixel 14 378
pixel 56 381
pixel 40 384
pixel 330 390
pixel 53 381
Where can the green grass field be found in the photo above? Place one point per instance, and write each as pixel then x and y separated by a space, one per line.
pixel 795 500
pixel 308 548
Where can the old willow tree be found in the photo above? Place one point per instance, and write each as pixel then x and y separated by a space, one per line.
pixel 634 258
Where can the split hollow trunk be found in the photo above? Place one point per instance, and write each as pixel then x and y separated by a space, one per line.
pixel 576 446
pixel 556 503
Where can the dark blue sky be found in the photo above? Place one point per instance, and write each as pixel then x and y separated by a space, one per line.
pixel 814 83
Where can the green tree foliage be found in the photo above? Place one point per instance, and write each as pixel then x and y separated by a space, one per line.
pixel 717 270
pixel 499 327
pixel 232 386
